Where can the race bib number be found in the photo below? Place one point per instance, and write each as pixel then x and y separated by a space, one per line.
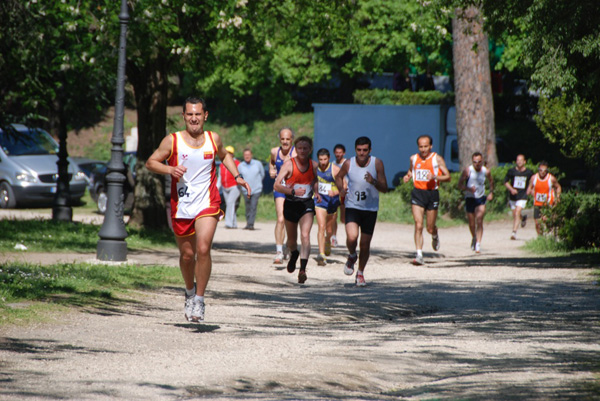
pixel 541 197
pixel 421 175
pixel 324 188
pixel 308 192
pixel 182 192
pixel 520 182
pixel 360 196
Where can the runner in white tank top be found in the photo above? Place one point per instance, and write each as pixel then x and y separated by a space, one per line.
pixel 366 178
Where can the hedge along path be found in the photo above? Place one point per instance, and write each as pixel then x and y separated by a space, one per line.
pixel 501 325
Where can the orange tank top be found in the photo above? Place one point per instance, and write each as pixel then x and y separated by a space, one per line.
pixel 301 178
pixel 420 168
pixel 543 193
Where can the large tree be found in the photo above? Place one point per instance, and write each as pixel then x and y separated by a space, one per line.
pixel 473 87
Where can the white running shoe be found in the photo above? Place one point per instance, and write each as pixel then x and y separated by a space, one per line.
pixel 513 236
pixel 334 242
pixel 278 258
pixel 418 260
pixel 198 311
pixel 435 242
pixel 360 280
pixel 189 306
pixel 349 266
pixel 477 248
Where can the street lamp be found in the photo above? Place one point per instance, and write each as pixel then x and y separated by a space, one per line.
pixel 112 245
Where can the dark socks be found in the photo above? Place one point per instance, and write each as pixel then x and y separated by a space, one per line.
pixel 303 263
pixel 291 266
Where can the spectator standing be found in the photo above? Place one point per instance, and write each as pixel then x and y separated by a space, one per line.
pixel 231 192
pixel 253 172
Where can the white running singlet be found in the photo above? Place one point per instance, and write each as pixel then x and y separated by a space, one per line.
pixel 197 189
pixel 362 195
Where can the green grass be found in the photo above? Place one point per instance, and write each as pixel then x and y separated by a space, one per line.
pixel 44 235
pixel 32 292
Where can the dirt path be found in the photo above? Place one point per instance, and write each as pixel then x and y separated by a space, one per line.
pixel 497 326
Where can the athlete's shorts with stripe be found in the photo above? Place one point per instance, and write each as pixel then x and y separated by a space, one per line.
pixel 517 203
pixel 472 203
pixel 293 210
pixel 365 219
pixel 425 198
pixel 186 227
pixel 331 203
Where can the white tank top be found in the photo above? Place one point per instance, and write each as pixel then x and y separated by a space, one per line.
pixel 197 189
pixel 476 179
pixel 362 195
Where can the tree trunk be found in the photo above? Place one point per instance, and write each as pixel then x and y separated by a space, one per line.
pixel 473 88
pixel 150 85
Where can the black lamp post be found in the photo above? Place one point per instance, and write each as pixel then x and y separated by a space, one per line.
pixel 112 245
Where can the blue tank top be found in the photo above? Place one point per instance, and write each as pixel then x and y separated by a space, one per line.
pixel 279 161
pixel 326 180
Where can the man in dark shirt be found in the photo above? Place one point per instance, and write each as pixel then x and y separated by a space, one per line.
pixel 516 181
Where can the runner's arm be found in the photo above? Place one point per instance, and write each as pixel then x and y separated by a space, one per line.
pixel 445 177
pixel 155 162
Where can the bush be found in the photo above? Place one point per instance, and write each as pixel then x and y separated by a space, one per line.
pixel 387 96
pixel 576 220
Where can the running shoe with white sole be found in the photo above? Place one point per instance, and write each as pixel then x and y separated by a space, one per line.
pixel 321 260
pixel 435 242
pixel 278 258
pixel 360 280
pixel 418 260
pixel 198 311
pixel 513 236
pixel 189 306
pixel 334 242
pixel 349 266
pixel 477 248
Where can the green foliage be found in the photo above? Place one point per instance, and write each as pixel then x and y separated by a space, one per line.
pixel 573 125
pixel 386 96
pixel 558 45
pixel 268 49
pixel 576 220
pixel 47 49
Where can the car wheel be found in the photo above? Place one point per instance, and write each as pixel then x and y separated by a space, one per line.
pixel 7 196
pixel 102 201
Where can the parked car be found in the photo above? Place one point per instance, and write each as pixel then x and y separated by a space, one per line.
pixel 98 185
pixel 88 166
pixel 28 169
